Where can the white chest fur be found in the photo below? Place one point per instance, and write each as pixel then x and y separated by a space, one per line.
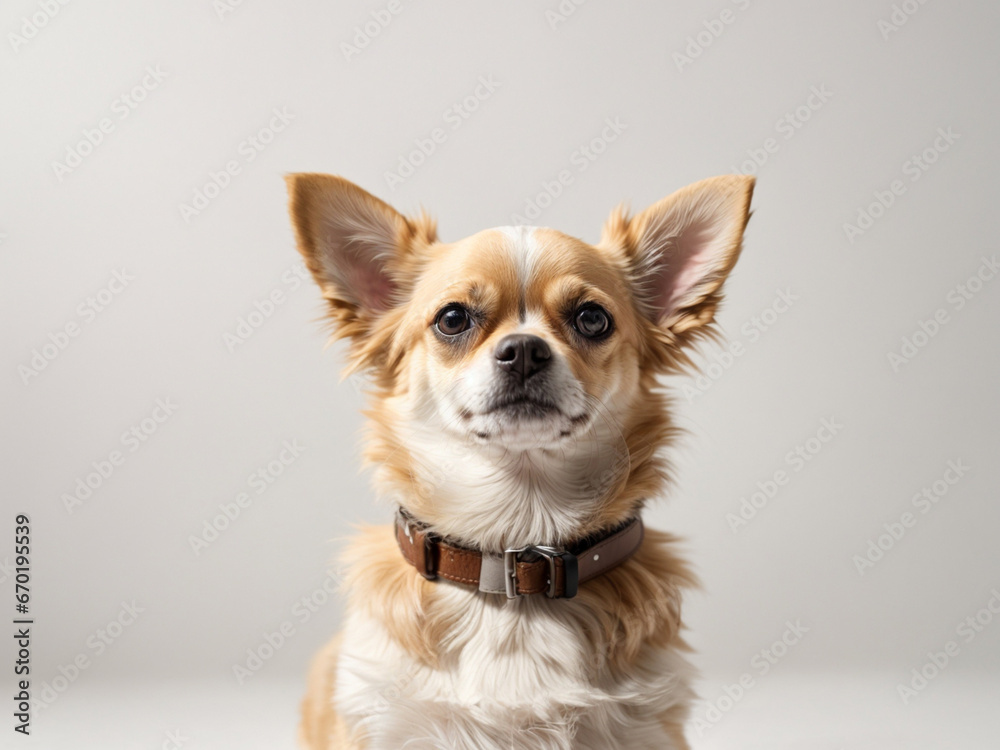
pixel 516 675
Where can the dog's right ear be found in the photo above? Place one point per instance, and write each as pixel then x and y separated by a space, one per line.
pixel 359 249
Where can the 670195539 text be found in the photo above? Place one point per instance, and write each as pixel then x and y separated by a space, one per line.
pixel 22 623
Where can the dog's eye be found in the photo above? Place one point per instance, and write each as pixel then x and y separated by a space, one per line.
pixel 452 320
pixel 592 321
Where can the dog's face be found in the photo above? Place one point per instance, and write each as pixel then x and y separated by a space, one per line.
pixel 520 339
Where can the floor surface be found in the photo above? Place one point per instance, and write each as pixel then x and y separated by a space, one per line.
pixel 780 712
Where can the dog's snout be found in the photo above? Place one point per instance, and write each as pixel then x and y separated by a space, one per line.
pixel 523 354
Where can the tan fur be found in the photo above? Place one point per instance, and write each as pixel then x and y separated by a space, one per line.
pixel 385 277
pixel 387 588
pixel 320 726
pixel 675 728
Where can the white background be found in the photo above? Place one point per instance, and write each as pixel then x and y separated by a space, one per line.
pixel 64 234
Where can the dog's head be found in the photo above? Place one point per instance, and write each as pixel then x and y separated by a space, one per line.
pixel 519 344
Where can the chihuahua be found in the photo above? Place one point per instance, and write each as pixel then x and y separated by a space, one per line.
pixel 517 431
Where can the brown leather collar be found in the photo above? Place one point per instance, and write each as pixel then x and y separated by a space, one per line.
pixel 528 570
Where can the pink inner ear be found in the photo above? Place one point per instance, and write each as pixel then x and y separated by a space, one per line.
pixel 686 262
pixel 370 285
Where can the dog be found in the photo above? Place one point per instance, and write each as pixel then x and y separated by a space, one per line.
pixel 517 428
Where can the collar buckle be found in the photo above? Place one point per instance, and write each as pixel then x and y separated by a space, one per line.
pixel 571 574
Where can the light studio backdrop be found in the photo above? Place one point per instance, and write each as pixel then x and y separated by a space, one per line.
pixel 188 459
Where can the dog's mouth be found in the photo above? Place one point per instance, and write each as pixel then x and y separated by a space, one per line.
pixel 511 416
pixel 523 407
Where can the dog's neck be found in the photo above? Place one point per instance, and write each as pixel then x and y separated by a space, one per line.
pixel 488 497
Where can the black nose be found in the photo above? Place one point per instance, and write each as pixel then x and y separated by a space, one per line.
pixel 522 354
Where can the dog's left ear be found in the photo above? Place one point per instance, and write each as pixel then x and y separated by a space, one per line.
pixel 680 250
